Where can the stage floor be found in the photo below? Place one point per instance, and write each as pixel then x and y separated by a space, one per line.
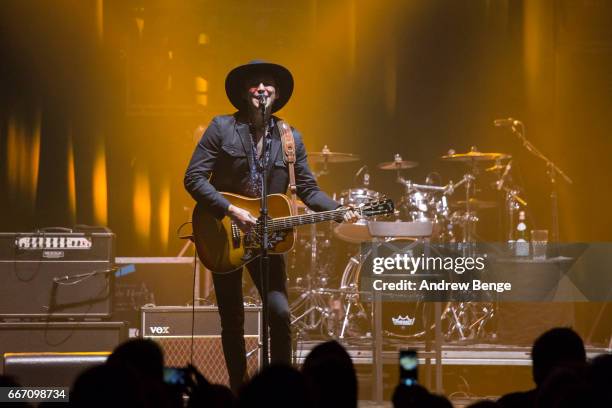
pixel 452 354
pixel 470 372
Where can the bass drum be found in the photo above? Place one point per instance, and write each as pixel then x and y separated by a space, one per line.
pixel 400 319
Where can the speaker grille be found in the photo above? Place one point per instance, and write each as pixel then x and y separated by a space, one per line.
pixel 207 355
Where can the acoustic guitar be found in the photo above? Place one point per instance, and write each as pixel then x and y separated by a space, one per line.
pixel 223 247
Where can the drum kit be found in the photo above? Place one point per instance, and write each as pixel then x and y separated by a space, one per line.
pixel 339 308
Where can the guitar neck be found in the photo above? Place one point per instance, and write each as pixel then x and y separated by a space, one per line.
pixel 284 223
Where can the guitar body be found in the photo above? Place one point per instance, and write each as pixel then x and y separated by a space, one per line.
pixel 223 248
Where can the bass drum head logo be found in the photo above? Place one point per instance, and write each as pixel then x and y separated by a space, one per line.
pixel 403 320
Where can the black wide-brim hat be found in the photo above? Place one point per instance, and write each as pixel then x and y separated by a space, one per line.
pixel 236 79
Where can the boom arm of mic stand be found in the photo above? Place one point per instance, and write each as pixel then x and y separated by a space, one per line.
pixel 534 150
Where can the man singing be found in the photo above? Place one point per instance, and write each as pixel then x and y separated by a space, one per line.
pixel 229 158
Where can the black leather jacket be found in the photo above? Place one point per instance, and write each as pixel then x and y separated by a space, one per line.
pixel 221 162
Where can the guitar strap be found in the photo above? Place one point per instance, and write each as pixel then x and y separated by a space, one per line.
pixel 289 156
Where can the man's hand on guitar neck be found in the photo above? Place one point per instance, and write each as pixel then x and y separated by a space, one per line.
pixel 351 216
pixel 243 219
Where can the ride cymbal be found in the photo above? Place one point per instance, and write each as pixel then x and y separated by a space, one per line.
pixel 474 155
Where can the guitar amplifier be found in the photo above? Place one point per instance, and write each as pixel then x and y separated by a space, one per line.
pixel 170 326
pixel 60 338
pixel 56 275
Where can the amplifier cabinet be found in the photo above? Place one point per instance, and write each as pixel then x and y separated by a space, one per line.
pixel 60 337
pixel 170 326
pixel 51 276
pixel 50 369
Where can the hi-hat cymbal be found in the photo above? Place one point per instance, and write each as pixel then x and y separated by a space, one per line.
pixel 475 204
pixel 475 156
pixel 397 165
pixel 327 156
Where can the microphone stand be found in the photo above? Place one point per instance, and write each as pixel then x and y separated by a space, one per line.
pixel 551 171
pixel 264 259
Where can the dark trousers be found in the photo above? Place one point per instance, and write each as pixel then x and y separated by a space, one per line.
pixel 228 290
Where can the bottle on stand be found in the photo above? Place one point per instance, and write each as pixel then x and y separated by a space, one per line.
pixel 521 245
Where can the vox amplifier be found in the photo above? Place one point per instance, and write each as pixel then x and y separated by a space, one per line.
pixel 171 326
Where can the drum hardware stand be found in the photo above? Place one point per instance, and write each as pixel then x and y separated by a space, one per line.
pixel 350 290
pixel 311 300
pixel 512 200
pixel 458 311
pixel 350 294
pixel 461 315
pixel 398 159
pixel 365 180
pixel 324 171
pixel 470 216
pixel 351 299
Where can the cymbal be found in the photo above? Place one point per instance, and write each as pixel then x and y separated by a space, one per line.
pixel 327 156
pixel 475 204
pixel 495 167
pixel 397 165
pixel 475 156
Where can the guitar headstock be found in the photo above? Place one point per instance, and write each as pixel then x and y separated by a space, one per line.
pixel 379 207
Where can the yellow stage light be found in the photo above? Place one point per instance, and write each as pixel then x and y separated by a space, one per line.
pixel 100 186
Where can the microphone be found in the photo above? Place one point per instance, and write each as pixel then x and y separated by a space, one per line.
pixel 506 122
pixel 262 100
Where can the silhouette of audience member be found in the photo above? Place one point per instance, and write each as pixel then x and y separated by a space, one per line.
pixel 557 347
pixel 416 396
pixel 143 355
pixel 221 396
pixel 484 404
pixel 109 386
pixel 600 378
pixel 134 376
pixel 274 387
pixel 330 376
pixel 205 394
pixel 565 387
pixel 146 358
